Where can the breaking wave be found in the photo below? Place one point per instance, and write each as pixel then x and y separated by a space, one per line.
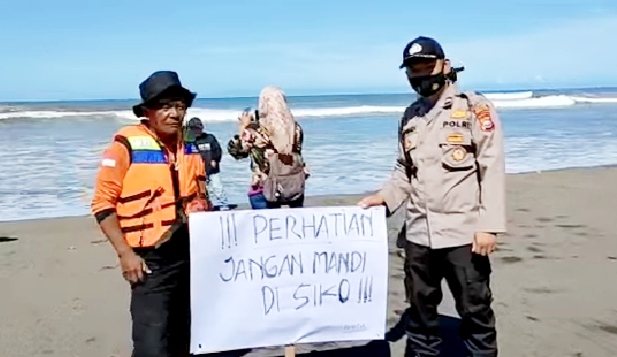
pixel 513 100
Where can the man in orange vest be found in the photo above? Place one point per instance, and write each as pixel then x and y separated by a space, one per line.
pixel 148 182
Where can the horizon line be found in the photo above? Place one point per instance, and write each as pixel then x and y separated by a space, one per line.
pixel 326 94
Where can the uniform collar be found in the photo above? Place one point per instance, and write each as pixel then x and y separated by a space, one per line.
pixel 444 102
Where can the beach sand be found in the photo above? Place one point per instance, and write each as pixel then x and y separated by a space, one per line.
pixel 554 281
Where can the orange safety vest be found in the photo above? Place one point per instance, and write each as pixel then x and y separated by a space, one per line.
pixel 150 209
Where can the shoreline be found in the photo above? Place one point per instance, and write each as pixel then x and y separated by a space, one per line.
pixel 245 205
pixel 553 277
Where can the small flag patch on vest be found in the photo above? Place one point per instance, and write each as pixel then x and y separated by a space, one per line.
pixel 108 162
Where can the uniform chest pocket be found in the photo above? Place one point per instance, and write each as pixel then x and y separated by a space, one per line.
pixel 457 152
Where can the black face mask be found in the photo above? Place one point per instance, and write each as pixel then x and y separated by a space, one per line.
pixel 426 86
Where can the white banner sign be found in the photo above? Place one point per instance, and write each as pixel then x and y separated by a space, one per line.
pixel 280 276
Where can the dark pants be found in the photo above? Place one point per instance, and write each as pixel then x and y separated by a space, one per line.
pixel 160 305
pixel 467 275
pixel 299 203
pixel 401 243
pixel 407 280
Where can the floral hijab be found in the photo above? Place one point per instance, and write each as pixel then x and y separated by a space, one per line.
pixel 276 118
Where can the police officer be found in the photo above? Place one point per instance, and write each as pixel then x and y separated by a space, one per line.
pixel 450 174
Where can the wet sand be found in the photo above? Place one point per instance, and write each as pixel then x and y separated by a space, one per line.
pixel 554 281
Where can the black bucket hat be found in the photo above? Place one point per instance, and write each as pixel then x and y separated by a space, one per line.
pixel 159 85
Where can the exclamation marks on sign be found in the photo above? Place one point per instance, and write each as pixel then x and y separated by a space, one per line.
pixel 365 290
pixel 222 227
pixel 229 233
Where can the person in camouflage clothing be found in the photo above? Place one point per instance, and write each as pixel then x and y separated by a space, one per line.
pixel 254 142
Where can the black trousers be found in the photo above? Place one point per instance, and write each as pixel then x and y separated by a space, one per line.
pixel 160 305
pixel 467 275
pixel 407 281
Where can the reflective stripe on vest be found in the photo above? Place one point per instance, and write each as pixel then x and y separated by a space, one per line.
pixel 145 150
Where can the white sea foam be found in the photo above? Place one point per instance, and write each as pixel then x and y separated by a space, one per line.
pixel 49 170
pixel 504 101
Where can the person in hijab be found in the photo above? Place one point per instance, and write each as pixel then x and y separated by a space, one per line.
pixel 274 132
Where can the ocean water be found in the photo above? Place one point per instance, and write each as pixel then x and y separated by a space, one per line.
pixel 50 151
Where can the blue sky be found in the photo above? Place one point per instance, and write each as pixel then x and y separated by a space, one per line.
pixel 87 50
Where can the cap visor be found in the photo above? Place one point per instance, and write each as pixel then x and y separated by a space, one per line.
pixel 408 61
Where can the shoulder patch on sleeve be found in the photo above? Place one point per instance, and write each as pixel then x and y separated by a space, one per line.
pixel 483 115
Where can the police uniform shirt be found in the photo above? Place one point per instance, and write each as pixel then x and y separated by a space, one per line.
pixel 450 170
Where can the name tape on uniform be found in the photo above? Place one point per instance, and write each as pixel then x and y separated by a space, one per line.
pixel 456 138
